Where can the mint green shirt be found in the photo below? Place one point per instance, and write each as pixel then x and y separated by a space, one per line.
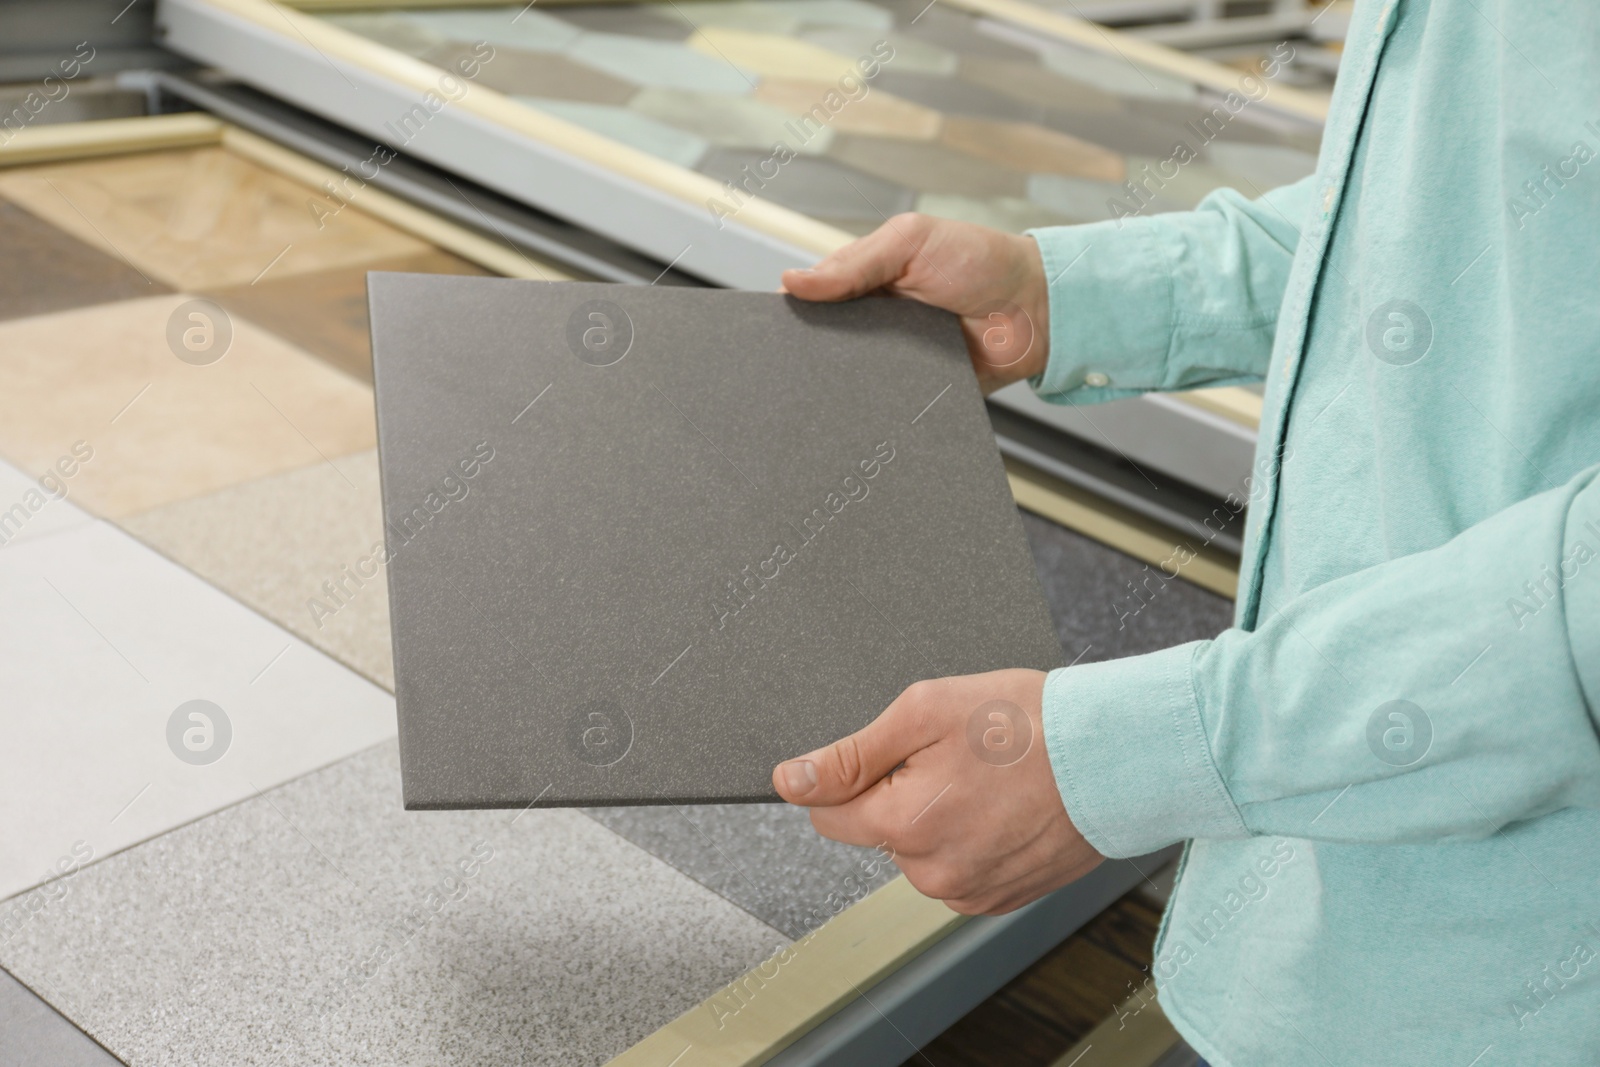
pixel 1389 769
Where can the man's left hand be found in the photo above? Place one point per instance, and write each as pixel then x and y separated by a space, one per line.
pixel 954 780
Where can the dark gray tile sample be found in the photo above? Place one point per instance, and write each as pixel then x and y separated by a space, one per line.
pixel 739 539
pixel 48 269
pixel 320 925
pixel 33 1034
pixel 1107 605
pixel 819 187
pixel 766 858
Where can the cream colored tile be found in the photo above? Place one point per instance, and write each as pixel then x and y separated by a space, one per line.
pixel 38 505
pixel 150 428
pixel 201 218
pixel 300 548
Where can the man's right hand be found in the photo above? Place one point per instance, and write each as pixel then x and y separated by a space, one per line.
pixel 995 281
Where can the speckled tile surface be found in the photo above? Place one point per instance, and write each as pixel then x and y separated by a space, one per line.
pixel 1106 605
pixel 765 858
pixel 385 937
pixel 544 649
pixel 107 647
pixel 298 547
pixel 157 428
pixel 48 269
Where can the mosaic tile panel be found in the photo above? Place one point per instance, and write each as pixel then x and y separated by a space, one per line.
pixel 928 106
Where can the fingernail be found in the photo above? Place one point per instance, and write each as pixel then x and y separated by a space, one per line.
pixel 800 776
pixel 804 270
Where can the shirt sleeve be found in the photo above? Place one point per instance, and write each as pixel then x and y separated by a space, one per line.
pixel 1438 696
pixel 1170 301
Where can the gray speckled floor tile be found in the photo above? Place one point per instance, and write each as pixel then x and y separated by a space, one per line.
pixel 1106 605
pixel 33 1034
pixel 321 924
pixel 274 542
pixel 765 858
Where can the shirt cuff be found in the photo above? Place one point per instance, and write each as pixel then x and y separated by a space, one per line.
pixel 1130 754
pixel 1111 310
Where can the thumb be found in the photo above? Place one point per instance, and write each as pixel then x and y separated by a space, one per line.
pixel 860 267
pixel 845 769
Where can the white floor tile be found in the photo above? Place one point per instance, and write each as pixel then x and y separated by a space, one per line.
pixel 101 641
pixel 31 506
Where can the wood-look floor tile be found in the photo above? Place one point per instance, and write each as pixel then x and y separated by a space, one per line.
pixel 162 429
pixel 325 312
pixel 200 218
pixel 1029 147
pixel 48 269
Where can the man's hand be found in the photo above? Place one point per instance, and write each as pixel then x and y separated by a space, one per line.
pixel 953 778
pixel 994 281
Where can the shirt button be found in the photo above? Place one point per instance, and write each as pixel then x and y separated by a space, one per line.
pixel 1327 199
pixel 1095 380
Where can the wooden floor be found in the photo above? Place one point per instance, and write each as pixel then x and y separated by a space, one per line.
pixel 1051 1006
